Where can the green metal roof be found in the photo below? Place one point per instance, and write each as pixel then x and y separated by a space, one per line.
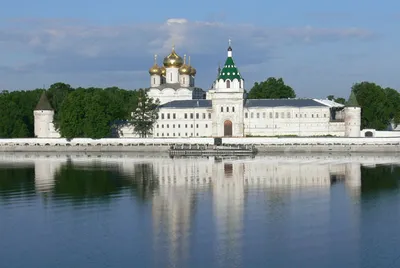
pixel 229 71
pixel 352 101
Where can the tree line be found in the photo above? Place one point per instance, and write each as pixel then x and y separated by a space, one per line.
pixel 98 112
pixel 78 112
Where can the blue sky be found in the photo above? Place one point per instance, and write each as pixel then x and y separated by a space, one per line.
pixel 318 48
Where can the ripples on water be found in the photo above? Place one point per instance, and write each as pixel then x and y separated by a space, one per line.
pixel 147 211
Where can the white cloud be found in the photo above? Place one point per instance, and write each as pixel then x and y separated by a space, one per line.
pixel 68 47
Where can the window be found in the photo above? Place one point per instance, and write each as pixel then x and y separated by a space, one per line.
pixel 191 115
pixel 209 115
pixel 167 125
pixel 197 115
pixel 324 115
pixel 191 126
pixel 263 115
pixel 154 80
pixel 282 115
pixel 186 134
pixel 270 114
pixel 162 134
pixel 227 109
pixel 206 126
pixel 222 109
pixel 258 115
pixel 204 116
pixel 233 109
pixel 228 84
pixel 170 76
pixel 183 80
pixel 167 134
pixel 197 134
pixel 185 115
pixel 162 116
pixel 162 126
pixel 174 134
pixel 179 126
pixel 185 125
pixel 288 114
pixel 174 116
pixel 251 115
pixel 312 115
pixel 317 115
pixel 276 115
pixel 179 134
pixel 168 116
pixel 157 125
pixel 158 134
pixel 197 125
pixel 173 126
pixel 246 115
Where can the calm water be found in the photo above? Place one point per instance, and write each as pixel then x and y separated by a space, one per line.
pixel 149 211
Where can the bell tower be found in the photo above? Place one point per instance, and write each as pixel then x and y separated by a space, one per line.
pixel 228 100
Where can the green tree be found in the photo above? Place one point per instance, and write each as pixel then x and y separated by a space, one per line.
pixel 338 100
pixel 393 98
pixel 56 95
pixel 145 115
pixel 375 107
pixel 272 88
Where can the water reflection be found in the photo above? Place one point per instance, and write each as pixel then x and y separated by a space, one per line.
pixel 289 198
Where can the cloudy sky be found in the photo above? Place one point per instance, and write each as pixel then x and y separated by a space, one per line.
pixel 317 47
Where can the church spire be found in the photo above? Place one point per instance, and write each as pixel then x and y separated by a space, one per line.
pixel 230 48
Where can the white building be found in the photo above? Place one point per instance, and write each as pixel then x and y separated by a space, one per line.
pixel 224 110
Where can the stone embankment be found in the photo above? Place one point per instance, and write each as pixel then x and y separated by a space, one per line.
pixel 158 145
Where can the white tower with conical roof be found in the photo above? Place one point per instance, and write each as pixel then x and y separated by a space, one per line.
pixel 227 100
pixel 43 119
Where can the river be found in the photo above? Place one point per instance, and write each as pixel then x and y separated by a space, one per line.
pixel 147 210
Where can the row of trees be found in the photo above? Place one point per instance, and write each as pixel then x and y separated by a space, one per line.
pixel 81 112
pixel 97 112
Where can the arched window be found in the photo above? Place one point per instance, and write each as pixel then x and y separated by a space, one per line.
pixel 154 80
pixel 228 84
pixel 183 80
pixel 170 75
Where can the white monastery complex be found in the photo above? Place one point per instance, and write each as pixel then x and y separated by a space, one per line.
pixel 224 110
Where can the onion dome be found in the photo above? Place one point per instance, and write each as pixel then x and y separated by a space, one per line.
pixel 192 69
pixel 155 69
pixel 185 69
pixel 163 71
pixel 173 60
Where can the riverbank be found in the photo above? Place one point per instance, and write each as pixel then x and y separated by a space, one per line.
pixel 158 145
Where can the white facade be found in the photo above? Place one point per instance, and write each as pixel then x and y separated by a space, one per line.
pixel 229 113
pixel 44 126
pixel 224 110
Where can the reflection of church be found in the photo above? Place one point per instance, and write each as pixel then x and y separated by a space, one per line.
pixel 235 187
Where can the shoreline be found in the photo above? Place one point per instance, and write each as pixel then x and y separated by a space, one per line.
pixel 159 145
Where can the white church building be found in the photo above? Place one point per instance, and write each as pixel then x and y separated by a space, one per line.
pixel 224 110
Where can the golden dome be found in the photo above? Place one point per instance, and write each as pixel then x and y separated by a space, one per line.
pixel 192 70
pixel 155 69
pixel 163 71
pixel 173 60
pixel 185 69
